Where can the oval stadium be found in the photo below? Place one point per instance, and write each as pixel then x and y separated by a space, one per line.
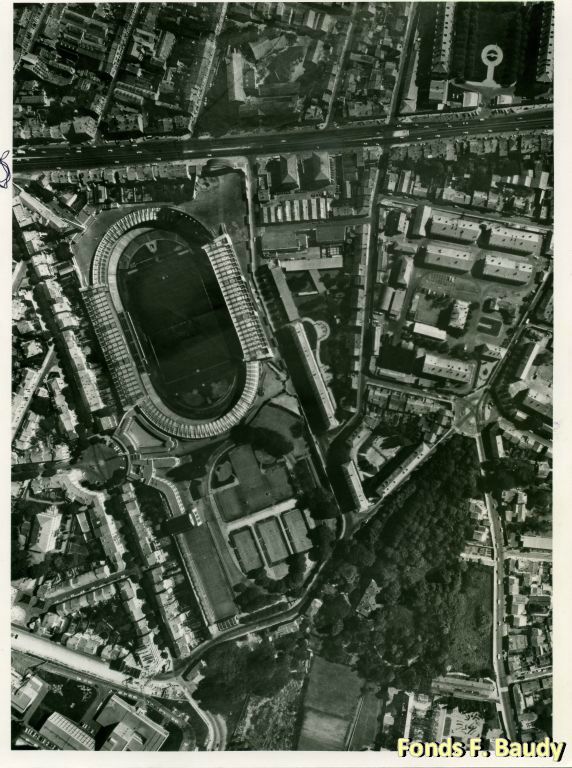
pixel 176 322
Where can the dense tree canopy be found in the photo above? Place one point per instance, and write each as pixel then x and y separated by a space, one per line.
pixel 234 671
pixel 261 438
pixel 412 551
pixel 321 503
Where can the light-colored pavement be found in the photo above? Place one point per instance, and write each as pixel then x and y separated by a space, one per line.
pixel 349 33
pixel 18 275
pixel 41 647
pixel 499 607
pixel 516 554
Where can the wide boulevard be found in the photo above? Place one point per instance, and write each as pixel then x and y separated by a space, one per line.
pixel 162 150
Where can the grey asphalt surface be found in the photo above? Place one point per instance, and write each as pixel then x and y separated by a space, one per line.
pixel 155 150
pixel 499 606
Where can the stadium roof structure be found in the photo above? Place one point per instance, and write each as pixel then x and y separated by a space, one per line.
pixel 206 574
pixel 239 301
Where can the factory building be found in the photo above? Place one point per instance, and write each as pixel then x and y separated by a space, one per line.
pixel 419 222
pixel 459 314
pixel 405 271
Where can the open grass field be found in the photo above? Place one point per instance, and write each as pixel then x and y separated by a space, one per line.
pixel 256 489
pixel 367 725
pixel 183 325
pixel 329 706
pixel 282 421
pixel 471 625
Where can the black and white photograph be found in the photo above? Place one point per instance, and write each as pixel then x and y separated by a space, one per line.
pixel 282 367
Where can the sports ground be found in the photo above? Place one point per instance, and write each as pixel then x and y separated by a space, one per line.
pixel 182 324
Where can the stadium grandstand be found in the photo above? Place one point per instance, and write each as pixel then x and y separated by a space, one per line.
pixel 240 303
pixel 207 577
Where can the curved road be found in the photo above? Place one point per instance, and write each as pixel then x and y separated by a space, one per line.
pixel 216 739
pixel 90 668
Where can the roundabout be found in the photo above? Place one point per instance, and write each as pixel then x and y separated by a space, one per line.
pixel 102 463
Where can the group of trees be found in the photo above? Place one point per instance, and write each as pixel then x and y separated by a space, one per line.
pixel 464 40
pixel 406 432
pixel 504 474
pixel 511 29
pixel 323 538
pixel 416 565
pixel 321 503
pixel 540 498
pixel 262 439
pixel 152 503
pixel 263 590
pixel 232 672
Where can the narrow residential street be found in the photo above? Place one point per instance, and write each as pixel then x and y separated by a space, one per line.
pixel 499 607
